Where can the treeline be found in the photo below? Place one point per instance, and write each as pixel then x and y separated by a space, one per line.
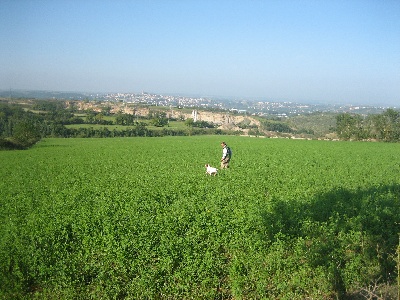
pixel 20 129
pixel 381 127
pixel 137 130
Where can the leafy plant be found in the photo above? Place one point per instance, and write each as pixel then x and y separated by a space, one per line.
pixel 137 218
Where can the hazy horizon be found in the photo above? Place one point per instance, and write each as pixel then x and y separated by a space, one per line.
pixel 297 51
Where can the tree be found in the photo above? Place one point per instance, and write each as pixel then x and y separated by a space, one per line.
pixel 203 124
pixel 159 119
pixel 106 111
pixel 347 125
pixel 140 129
pixel 386 126
pixel 90 117
pixel 277 126
pixel 26 133
pixel 99 118
pixel 189 122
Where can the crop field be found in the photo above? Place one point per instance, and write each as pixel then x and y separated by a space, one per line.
pixel 137 218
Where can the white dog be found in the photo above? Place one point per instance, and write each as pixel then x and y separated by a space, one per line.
pixel 210 170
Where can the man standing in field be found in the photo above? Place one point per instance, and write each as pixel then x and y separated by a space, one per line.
pixel 226 156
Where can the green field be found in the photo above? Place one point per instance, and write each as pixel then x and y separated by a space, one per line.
pixel 137 218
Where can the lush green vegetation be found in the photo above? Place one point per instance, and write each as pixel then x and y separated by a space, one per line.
pixel 25 122
pixel 382 127
pixel 137 218
pixel 316 124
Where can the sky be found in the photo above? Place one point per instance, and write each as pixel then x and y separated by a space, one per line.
pixel 300 51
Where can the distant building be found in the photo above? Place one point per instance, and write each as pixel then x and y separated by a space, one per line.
pixel 194 115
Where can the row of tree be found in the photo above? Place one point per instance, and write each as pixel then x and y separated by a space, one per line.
pixel 21 128
pixel 380 127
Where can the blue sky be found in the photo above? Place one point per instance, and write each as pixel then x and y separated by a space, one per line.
pixel 302 51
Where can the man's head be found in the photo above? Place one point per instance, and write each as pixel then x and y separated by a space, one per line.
pixel 223 144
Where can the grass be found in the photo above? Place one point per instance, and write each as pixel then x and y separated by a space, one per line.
pixel 137 218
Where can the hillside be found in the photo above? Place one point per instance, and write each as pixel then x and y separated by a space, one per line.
pixel 318 124
pixel 75 118
pixel 314 125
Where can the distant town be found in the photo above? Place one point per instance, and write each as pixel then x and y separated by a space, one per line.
pixel 242 106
